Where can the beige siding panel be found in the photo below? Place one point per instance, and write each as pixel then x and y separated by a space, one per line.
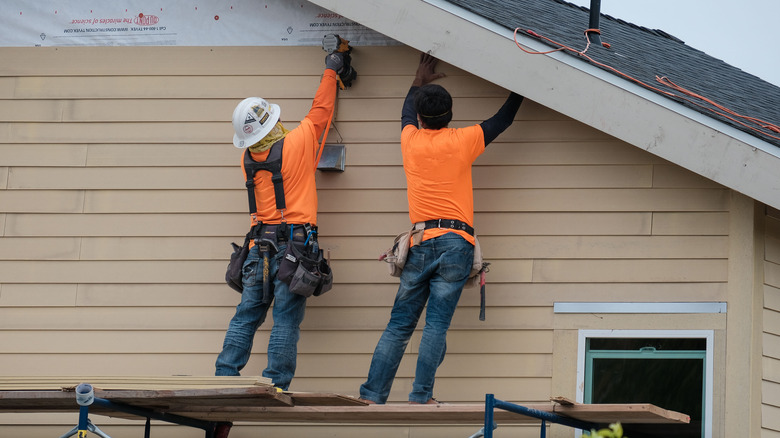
pixel 604 247
pixel 58 248
pixel 359 343
pixel 771 322
pixel 503 153
pixel 139 178
pixel 702 224
pixel 161 318
pixel 770 418
pixel 670 175
pixel 770 393
pixel 768 433
pixel 3 178
pixel 629 270
pixel 772 249
pixel 230 225
pixel 169 201
pixel 771 345
pixel 454 365
pixel 82 132
pixel 42 155
pixel 379 295
pixel 688 200
pixel 573 153
pixel 491 223
pixel 218 132
pixel 41 201
pixel 582 200
pixel 771 369
pixel 165 155
pixel 501 177
pixel 771 298
pixel 27 295
pixel 174 271
pixel 772 274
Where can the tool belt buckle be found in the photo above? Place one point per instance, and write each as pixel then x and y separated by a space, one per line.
pixel 451 227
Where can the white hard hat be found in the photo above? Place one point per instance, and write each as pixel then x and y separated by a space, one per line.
pixel 253 119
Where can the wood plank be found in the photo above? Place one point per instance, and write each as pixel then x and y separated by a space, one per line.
pixel 257 404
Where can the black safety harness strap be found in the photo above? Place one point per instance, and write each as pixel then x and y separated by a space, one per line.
pixel 272 164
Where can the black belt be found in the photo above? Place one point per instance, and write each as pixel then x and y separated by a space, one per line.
pixel 453 224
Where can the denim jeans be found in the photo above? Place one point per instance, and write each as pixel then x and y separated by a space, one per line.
pixel 435 272
pixel 288 311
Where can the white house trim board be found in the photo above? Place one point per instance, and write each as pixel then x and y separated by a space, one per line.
pixel 591 307
pixel 708 335
pixel 619 108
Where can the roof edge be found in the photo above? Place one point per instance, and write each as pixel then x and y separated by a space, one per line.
pixel 570 86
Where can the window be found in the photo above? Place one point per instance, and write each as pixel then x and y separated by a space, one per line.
pixel 672 370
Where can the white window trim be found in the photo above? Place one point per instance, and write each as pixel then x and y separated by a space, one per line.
pixel 692 307
pixel 708 335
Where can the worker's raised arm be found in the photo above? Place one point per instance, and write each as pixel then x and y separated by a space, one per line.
pixel 325 98
pixel 497 124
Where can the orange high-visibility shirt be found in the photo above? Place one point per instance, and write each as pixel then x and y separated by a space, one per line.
pixel 298 163
pixel 438 174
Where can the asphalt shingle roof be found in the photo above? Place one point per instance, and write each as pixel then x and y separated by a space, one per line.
pixel 642 54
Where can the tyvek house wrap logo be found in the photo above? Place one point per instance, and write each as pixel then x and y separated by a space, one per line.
pixel 146 20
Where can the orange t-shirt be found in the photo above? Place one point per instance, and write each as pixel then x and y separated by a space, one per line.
pixel 298 163
pixel 438 174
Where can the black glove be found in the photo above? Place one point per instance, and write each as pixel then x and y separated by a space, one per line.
pixel 335 62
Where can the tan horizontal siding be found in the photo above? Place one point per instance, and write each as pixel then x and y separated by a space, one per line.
pixel 349 295
pixel 356 342
pixel 120 192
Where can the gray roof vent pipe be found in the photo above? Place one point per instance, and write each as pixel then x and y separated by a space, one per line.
pixel 595 12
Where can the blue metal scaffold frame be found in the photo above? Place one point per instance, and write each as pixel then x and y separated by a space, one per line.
pixel 492 403
pixel 85 397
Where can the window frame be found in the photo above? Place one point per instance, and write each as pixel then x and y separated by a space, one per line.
pixel 707 335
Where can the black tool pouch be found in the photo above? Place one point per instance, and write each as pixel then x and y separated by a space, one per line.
pixel 306 272
pixel 233 274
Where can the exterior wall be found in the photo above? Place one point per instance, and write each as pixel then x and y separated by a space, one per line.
pixel 120 192
pixel 770 384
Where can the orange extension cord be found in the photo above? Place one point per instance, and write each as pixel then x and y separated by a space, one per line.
pixel 724 112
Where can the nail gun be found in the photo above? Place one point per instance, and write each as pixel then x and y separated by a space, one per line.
pixel 333 43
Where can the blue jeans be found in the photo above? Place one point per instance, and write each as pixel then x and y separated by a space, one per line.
pixel 288 314
pixel 435 272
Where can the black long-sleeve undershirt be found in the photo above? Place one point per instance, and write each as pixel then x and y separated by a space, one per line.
pixel 491 128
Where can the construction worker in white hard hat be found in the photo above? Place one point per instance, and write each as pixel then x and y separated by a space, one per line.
pixel 277 225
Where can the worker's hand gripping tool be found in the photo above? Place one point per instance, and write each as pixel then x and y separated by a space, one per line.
pixel 333 43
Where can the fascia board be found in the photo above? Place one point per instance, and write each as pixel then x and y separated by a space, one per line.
pixel 578 90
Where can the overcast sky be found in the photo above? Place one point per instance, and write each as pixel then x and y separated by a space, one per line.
pixel 743 33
